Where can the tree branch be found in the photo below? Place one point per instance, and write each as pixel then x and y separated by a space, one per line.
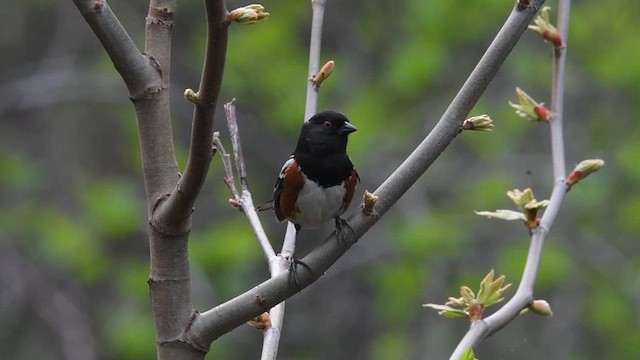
pixel 311 104
pixel 212 324
pixel 557 93
pixel 280 264
pixel 243 198
pixel 139 73
pixel 524 295
pixel 177 209
pixel 315 46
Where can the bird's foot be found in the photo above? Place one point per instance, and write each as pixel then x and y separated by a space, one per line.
pixel 293 270
pixel 341 226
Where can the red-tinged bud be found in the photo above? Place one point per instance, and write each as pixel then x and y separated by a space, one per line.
pixel 475 311
pixel 530 109
pixel 574 177
pixel 234 202
pixel 553 36
pixel 531 210
pixel 544 27
pixel 584 169
pixel 324 73
pixel 543 113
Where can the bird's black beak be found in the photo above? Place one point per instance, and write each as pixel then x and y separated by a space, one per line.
pixel 347 128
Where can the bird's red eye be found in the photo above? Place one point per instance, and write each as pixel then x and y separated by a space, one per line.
pixel 327 124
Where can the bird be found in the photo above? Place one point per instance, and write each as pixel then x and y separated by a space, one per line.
pixel 317 183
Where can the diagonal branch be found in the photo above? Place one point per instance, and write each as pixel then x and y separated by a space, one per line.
pixel 178 207
pixel 138 72
pixel 212 324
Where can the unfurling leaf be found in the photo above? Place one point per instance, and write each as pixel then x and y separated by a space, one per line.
pixel 448 311
pixel 526 202
pixel 544 27
pixel 503 214
pixel 530 109
pixel 470 305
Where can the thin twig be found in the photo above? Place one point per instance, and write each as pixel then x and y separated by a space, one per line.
pixel 272 338
pixel 250 212
pixel 557 93
pixel 228 167
pixel 179 205
pixel 243 197
pixel 245 201
pixel 225 317
pixel 311 104
pixel 524 295
pixel 232 123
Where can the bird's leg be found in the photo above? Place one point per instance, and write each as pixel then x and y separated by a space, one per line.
pixel 341 225
pixel 293 270
pixel 268 205
pixel 293 265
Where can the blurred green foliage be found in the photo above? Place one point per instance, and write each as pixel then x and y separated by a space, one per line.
pixel 72 196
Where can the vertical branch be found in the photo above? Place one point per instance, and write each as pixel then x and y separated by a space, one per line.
pixel 232 123
pixel 557 96
pixel 311 104
pixel 177 209
pixel 153 110
pixel 524 295
pixel 243 198
pixel 169 278
pixel 279 265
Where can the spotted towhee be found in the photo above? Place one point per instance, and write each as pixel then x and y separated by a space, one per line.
pixel 318 181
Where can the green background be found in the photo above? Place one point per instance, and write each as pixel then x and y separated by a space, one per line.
pixel 73 248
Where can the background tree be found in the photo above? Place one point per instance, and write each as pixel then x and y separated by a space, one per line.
pixel 73 241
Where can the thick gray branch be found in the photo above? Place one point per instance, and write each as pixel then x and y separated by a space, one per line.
pixel 138 71
pixel 225 317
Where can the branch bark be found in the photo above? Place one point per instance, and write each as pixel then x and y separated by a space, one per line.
pixel 280 264
pixel 182 333
pixel 147 77
pixel 137 70
pixel 212 324
pixel 524 295
pixel 176 211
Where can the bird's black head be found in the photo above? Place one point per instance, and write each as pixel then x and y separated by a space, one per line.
pixel 325 133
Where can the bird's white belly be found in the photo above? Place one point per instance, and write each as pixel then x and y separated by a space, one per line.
pixel 316 205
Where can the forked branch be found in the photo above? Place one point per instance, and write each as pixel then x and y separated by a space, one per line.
pixel 227 316
pixel 524 295
pixel 178 207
